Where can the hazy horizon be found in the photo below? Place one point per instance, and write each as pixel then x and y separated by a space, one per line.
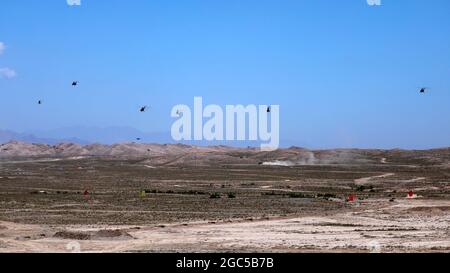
pixel 104 136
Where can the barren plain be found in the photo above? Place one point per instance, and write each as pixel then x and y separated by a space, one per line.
pixel 170 198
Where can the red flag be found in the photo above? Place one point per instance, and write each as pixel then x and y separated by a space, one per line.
pixel 351 198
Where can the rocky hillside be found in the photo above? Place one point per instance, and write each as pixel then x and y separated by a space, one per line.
pixel 173 154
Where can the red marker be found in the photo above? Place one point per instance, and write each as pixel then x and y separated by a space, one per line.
pixel 351 198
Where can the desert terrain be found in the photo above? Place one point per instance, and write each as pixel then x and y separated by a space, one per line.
pixel 171 198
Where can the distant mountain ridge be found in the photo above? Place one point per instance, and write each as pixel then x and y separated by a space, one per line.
pixel 85 135
pixel 106 135
pixel 6 136
pixel 151 155
pixel 23 149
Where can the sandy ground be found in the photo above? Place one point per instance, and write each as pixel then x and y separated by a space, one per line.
pixel 403 226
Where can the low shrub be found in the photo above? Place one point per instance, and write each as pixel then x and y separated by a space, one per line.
pixel 231 195
pixel 215 195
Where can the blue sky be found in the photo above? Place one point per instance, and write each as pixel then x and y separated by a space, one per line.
pixel 344 73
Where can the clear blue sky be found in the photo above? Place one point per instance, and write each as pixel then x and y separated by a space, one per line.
pixel 344 73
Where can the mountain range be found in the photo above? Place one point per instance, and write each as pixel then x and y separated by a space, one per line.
pixel 84 135
pixel 109 135
pixel 175 154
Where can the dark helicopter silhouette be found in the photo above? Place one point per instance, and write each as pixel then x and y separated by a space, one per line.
pixel 138 138
pixel 269 109
pixel 143 109
pixel 39 102
pixel 75 83
pixel 424 89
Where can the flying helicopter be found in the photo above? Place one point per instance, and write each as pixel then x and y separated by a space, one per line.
pixel 424 90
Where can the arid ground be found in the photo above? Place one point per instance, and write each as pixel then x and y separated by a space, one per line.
pixel 170 198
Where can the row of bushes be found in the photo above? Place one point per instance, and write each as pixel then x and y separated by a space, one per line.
pixel 217 195
pixel 214 195
pixel 190 192
pixel 301 195
pixel 361 188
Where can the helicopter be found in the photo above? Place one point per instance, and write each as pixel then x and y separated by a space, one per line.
pixel 424 90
